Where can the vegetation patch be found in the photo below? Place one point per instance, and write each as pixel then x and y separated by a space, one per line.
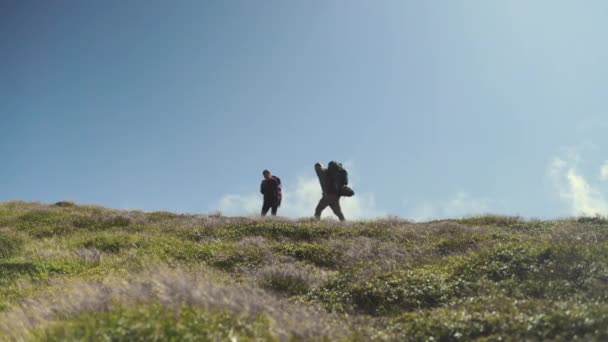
pixel 113 243
pixel 10 245
pixel 100 222
pixel 290 280
pixel 157 323
pixel 500 318
pixel 10 270
pixel 160 216
pixel 387 293
pixel 43 223
pixel 320 254
pixel 597 219
pixel 491 220
pixel 186 251
pixel 270 230
pixel 236 258
pixel 65 204
pixel 456 245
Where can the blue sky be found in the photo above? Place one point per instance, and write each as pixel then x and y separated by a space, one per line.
pixel 439 109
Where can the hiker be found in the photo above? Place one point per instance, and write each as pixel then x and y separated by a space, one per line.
pixel 271 189
pixel 333 181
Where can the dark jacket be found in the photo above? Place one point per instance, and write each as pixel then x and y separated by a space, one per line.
pixel 271 189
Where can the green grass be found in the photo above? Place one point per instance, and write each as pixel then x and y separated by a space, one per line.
pixel 36 270
pixel 320 254
pixel 10 245
pixel 72 272
pixel 157 323
pixel 497 318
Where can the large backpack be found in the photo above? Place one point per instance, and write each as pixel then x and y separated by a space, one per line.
pixel 338 177
pixel 337 174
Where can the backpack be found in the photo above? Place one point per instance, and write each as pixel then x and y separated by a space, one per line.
pixel 338 177
pixel 337 174
pixel 278 193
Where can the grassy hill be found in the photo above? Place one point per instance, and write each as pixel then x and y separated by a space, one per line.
pixel 70 272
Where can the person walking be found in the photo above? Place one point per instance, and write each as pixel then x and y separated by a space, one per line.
pixel 331 189
pixel 271 189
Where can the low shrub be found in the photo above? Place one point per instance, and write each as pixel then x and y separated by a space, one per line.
pixel 497 318
pixel 540 270
pixel 43 223
pixel 388 293
pixel 290 280
pixel 236 258
pixel 65 204
pixel 597 219
pixel 187 251
pixel 447 246
pixel 113 243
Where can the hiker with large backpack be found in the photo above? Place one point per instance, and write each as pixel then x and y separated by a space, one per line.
pixel 334 184
pixel 271 189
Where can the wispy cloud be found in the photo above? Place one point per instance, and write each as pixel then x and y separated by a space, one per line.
pixel 604 171
pixel 238 204
pixel 574 189
pixel 300 200
pixel 459 205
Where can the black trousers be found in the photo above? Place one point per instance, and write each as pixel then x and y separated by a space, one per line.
pixel 331 200
pixel 270 205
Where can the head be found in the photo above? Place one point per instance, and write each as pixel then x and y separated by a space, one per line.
pixel 266 174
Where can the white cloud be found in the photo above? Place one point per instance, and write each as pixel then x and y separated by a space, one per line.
pixel 463 204
pixel 557 167
pixel 300 201
pixel 236 204
pixel 459 205
pixel 575 190
pixel 604 171
pixel 424 212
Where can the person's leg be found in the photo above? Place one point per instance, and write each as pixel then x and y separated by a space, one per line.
pixel 265 208
pixel 321 206
pixel 274 210
pixel 335 207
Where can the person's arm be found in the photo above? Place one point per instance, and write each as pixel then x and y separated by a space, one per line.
pixel 262 188
pixel 321 175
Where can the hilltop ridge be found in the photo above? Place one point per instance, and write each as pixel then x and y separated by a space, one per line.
pixel 69 271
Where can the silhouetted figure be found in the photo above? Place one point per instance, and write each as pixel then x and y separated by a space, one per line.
pixel 271 189
pixel 333 181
